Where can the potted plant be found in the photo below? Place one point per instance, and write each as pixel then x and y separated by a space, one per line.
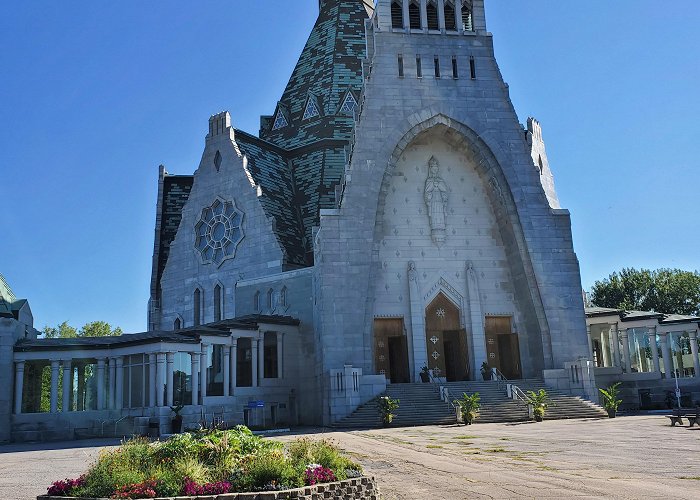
pixel 540 401
pixel 176 422
pixel 424 375
pixel 467 407
pixel 486 371
pixel 386 407
pixel 611 401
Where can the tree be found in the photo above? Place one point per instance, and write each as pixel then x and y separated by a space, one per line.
pixel 62 331
pixel 670 291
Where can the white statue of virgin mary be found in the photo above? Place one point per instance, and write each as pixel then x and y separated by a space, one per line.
pixel 436 196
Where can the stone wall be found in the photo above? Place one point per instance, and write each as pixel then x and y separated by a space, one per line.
pixel 352 489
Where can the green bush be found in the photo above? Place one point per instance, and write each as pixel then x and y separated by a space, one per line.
pixel 305 451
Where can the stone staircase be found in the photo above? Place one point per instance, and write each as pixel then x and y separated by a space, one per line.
pixel 420 404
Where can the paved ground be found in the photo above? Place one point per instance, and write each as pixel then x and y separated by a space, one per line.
pixel 630 457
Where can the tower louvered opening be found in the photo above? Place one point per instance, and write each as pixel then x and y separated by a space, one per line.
pixel 396 15
pixel 432 11
pixel 414 15
pixel 467 21
pixel 450 19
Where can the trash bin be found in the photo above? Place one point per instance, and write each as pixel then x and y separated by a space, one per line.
pixel 153 429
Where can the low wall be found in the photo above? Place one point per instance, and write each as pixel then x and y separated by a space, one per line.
pixel 362 488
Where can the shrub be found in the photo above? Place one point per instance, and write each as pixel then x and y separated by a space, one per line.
pixel 316 473
pixel 305 451
pixel 146 489
pixel 270 468
pixel 65 488
pixel 191 488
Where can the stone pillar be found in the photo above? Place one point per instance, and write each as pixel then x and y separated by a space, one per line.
pixel 458 15
pixel 590 342
pixel 694 350
pixel 615 346
pixel 261 358
pixel 19 386
pixel 169 358
pixel 254 356
pixel 119 381
pixel 417 349
pixel 607 349
pixel 203 366
pixel 227 370
pixel 80 404
pixel 666 355
pixel 424 15
pixel 66 385
pixel 280 357
pixel 234 364
pixel 625 350
pixel 195 377
pixel 152 367
pixel 406 17
pixel 441 14
pixel 54 386
pixel 112 383
pixel 101 383
pixel 476 316
pixel 654 349
pixel 160 378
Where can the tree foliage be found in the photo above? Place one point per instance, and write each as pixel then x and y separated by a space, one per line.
pixel 93 329
pixel 670 291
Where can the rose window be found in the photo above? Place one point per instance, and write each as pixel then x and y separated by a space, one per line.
pixel 218 232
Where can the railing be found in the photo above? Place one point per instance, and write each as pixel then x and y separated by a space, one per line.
pixel 102 426
pixel 499 377
pixel 117 423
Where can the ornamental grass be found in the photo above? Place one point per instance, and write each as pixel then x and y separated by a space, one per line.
pixel 208 462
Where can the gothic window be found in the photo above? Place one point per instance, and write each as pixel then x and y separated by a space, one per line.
pixel 256 302
pixel 283 296
pixel 197 307
pixel 455 73
pixel 450 17
pixel 540 164
pixel 436 61
pixel 218 232
pixel 472 67
pixel 396 14
pixel 177 325
pixel 433 23
pixel 217 161
pixel 414 15
pixel 467 21
pixel 311 110
pixel 400 66
pixel 349 104
pixel 419 68
pixel 280 121
pixel 270 297
pixel 217 303
pixel 270 355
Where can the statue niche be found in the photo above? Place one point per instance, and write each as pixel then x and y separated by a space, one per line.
pixel 436 196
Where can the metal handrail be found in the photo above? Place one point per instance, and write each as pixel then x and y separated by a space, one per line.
pixel 518 394
pixel 102 426
pixel 117 423
pixel 499 377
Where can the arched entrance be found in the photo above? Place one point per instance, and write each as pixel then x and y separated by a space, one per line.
pixel 446 340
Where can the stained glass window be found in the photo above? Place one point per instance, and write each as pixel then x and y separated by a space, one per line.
pixel 218 232
pixel 311 110
pixel 280 121
pixel 349 104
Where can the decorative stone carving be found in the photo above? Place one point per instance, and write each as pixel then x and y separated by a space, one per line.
pixel 436 196
pixel 218 232
pixel 412 271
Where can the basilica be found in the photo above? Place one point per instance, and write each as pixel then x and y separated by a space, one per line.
pixel 391 217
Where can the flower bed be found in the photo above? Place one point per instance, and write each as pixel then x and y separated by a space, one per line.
pixel 218 463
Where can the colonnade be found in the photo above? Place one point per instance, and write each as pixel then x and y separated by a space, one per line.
pixel 619 336
pixel 109 373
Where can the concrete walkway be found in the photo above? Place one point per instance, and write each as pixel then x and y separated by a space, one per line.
pixel 629 457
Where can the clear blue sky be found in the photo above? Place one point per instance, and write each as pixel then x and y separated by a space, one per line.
pixel 95 95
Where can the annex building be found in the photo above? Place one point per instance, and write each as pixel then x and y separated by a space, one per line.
pixel 390 214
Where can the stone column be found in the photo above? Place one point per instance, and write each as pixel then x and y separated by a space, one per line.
pixel 101 383
pixel 654 349
pixel 615 346
pixel 406 17
pixel 476 316
pixel 606 343
pixel 261 358
pixel 625 350
pixel 234 364
pixel 417 348
pixel 160 378
pixel 227 370
pixel 119 381
pixel 66 385
pixel 590 342
pixel 54 386
pixel 694 350
pixel 666 355
pixel 195 377
pixel 19 386
pixel 441 14
pixel 112 383
pixel 169 358
pixel 152 367
pixel 203 366
pixel 424 15
pixel 254 356
pixel 280 357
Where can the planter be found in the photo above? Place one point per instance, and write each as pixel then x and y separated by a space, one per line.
pixel 539 418
pixel 424 377
pixel 612 412
pixel 487 376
